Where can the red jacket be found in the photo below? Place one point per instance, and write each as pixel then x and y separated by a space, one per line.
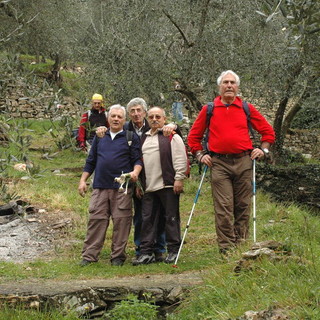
pixel 228 128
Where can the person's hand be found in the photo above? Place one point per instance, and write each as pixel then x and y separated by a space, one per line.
pixel 82 188
pixel 167 129
pixel 206 159
pixel 101 131
pixel 257 153
pixel 135 173
pixel 178 186
pixel 139 193
pixel 134 176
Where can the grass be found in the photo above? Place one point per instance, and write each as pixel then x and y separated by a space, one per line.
pixel 291 285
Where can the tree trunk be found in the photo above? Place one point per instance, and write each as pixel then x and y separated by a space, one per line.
pixel 280 113
pixel 55 71
pixel 192 97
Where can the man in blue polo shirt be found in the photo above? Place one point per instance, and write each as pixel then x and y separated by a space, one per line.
pixel 109 157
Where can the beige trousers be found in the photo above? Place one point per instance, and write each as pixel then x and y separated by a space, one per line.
pixel 106 204
pixel 231 181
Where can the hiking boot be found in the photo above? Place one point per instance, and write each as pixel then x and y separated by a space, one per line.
pixel 117 262
pixel 84 263
pixel 171 258
pixel 158 256
pixel 143 259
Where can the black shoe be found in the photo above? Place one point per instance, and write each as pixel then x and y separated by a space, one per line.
pixel 117 262
pixel 143 259
pixel 84 263
pixel 158 256
pixel 171 258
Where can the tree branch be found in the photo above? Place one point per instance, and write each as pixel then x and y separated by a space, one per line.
pixel 204 14
pixel 188 44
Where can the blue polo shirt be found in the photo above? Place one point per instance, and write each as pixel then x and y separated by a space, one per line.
pixel 109 158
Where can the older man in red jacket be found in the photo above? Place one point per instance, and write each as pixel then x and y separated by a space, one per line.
pixel 229 154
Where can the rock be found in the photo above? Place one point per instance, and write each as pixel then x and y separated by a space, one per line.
pixel 276 314
pixel 271 244
pixel 20 167
pixel 254 254
pixel 61 223
pixel 175 295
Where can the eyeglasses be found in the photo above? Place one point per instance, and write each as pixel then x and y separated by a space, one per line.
pixel 157 116
pixel 97 103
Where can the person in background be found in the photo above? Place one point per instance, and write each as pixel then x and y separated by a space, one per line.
pixel 90 120
pixel 229 154
pixel 109 157
pixel 177 104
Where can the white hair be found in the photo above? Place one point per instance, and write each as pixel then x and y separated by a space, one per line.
pixel 224 73
pixel 118 106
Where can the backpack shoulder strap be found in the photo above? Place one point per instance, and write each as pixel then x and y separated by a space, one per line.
pixel 129 136
pixel 209 113
pixel 89 114
pixel 246 109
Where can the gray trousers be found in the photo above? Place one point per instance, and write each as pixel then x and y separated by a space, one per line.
pixel 106 204
pixel 231 181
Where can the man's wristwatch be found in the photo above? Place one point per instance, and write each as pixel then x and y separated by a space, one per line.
pixel 265 151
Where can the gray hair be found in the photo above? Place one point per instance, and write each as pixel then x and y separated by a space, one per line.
pixel 137 102
pixel 118 106
pixel 224 73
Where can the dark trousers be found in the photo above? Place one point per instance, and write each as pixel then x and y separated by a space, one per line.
pixel 232 190
pixel 160 241
pixel 161 203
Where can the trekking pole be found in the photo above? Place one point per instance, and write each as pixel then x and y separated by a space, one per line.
pixel 254 199
pixel 191 213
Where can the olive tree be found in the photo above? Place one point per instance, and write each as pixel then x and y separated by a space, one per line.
pixel 141 47
pixel 298 82
pixel 46 28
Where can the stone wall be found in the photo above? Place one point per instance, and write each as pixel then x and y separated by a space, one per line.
pixel 305 142
pixel 22 100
